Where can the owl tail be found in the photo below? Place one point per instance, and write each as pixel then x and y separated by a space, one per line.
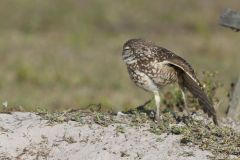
pixel 198 93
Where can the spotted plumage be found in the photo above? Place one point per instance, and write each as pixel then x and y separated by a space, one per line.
pixel 152 67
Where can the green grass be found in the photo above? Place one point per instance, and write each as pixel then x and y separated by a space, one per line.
pixel 67 54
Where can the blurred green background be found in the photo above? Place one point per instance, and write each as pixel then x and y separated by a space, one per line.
pixel 65 54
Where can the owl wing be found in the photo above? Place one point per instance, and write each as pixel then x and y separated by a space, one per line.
pixel 165 56
pixel 189 79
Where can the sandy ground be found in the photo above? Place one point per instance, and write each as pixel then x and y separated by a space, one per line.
pixel 28 136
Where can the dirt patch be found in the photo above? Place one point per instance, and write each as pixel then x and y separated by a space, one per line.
pixel 97 136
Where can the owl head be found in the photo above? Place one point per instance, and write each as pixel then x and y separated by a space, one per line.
pixel 135 48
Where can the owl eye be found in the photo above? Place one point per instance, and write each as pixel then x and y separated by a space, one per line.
pixel 126 48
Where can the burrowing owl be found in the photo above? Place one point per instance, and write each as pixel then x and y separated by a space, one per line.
pixel 152 67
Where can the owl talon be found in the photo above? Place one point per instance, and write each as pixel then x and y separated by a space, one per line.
pixel 157 117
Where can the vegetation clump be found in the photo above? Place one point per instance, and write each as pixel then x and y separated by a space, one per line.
pixel 223 141
pixel 84 116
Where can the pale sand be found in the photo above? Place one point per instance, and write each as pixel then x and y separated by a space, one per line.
pixel 26 136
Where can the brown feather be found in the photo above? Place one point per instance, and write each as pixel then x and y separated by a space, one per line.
pixel 190 81
pixel 197 92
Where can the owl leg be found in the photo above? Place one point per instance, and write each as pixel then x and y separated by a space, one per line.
pixel 183 91
pixel 184 101
pixel 157 100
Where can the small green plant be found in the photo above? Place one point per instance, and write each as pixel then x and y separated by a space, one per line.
pixel 69 139
pixel 186 154
pixel 60 117
pixel 120 129
pixel 163 125
pixel 124 154
pixel 177 130
pixel 103 119
pixel 173 98
pixel 210 85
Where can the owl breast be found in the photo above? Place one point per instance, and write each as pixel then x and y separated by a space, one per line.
pixel 153 76
pixel 142 80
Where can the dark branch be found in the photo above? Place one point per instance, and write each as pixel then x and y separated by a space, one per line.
pixel 230 19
